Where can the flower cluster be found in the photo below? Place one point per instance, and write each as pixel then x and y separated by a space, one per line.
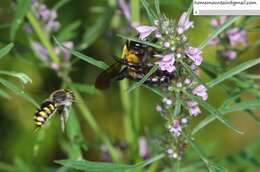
pixel 48 20
pixel 228 39
pixel 175 57
pixel 46 16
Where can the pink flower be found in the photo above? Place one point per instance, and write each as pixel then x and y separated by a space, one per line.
pixel 55 66
pixel 124 7
pixel 229 54
pixel 214 23
pixel 236 35
pixel 184 23
pixel 143 148
pixel 201 91
pixel 194 54
pixel 193 108
pixel 145 31
pixel 166 64
pixel 175 128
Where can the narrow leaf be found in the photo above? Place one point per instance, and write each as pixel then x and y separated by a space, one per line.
pixel 140 41
pixel 139 83
pixel 151 14
pixel 21 9
pixel 5 50
pixel 101 25
pixel 233 71
pixel 60 4
pixel 97 63
pixel 23 77
pixel 212 167
pixel 18 91
pixel 156 91
pixel 215 112
pixel 237 107
pixel 4 94
pixel 219 30
pixel 107 167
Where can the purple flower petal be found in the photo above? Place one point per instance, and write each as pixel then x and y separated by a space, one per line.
pixel 201 91
pixel 194 54
pixel 184 23
pixel 166 63
pixel 145 31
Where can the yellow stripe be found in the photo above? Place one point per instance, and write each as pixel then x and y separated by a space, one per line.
pixel 51 107
pixel 43 114
pixel 47 110
pixel 40 119
pixel 38 123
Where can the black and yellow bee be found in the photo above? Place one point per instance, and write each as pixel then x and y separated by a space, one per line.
pixel 137 61
pixel 59 101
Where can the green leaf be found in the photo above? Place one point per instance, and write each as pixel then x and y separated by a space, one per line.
pixel 4 94
pixel 215 112
pixel 85 88
pixel 157 7
pixel 212 167
pixel 238 107
pixel 231 98
pixel 5 50
pixel 233 71
pixel 97 63
pixel 101 25
pixel 139 83
pixel 151 14
pixel 219 30
pixel 140 41
pixel 241 106
pixel 156 91
pixel 60 4
pixel 23 77
pixel 68 32
pixel 18 91
pixel 21 9
pixel 106 167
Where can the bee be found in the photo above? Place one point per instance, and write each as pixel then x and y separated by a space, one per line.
pixel 59 101
pixel 137 61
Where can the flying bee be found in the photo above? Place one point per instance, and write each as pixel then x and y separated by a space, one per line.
pixel 59 101
pixel 137 61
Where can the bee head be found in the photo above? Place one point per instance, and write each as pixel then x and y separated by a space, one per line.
pixel 63 97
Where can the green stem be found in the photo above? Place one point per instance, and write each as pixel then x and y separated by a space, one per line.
pixel 42 36
pixel 135 10
pixel 125 99
pixel 135 18
pixel 93 124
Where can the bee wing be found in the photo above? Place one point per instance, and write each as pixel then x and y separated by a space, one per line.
pixel 116 71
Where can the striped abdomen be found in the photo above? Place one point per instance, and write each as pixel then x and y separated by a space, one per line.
pixel 42 114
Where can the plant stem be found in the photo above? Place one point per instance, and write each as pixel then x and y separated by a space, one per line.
pixel 125 99
pixel 135 18
pixel 42 36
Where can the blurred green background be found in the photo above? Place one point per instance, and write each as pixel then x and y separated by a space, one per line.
pixel 17 138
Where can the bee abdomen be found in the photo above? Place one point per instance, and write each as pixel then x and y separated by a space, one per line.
pixel 42 114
